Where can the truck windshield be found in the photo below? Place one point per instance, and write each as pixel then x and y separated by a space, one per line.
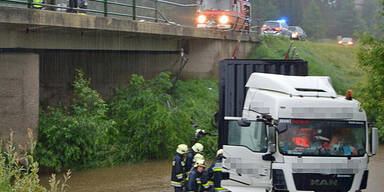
pixel 253 137
pixel 216 5
pixel 322 137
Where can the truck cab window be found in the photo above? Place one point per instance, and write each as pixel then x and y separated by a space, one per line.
pixel 253 137
pixel 323 138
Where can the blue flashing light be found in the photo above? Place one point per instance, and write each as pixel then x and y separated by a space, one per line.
pixel 283 20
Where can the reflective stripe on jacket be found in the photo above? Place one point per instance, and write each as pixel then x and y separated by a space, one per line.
pixel 38 1
pixel 194 181
pixel 215 171
pixel 177 170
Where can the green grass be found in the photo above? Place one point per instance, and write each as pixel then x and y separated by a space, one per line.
pixel 324 59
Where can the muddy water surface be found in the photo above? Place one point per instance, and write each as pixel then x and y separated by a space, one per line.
pixel 155 176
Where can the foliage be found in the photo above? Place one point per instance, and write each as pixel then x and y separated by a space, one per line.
pixel 371 61
pixel 149 122
pixel 263 11
pixel 335 17
pixel 371 17
pixel 141 121
pixel 19 171
pixel 313 22
pixel 77 136
pixel 199 98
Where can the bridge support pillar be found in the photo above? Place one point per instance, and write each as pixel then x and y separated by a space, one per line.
pixel 19 95
pixel 205 55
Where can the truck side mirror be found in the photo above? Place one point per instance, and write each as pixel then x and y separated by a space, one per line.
pixel 375 140
pixel 282 128
pixel 244 122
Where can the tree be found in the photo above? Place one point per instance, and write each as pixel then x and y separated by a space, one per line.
pixel 292 9
pixel 371 60
pixel 263 10
pixel 371 17
pixel 313 22
pixel 346 16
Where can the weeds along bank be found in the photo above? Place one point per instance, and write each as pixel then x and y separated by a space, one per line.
pixel 324 59
pixel 19 170
pixel 145 120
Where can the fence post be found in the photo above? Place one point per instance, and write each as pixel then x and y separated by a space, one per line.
pixel 105 8
pixel 156 11
pixel 134 9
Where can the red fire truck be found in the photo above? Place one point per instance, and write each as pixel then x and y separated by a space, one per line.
pixel 224 14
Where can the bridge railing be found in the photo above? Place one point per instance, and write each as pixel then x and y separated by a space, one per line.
pixel 107 8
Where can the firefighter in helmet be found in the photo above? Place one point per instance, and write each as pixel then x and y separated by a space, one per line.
pixel 178 167
pixel 194 183
pixel 197 148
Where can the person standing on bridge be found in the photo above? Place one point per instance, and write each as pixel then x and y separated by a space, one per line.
pixel 178 168
pixel 83 5
pixel 73 4
pixel 196 149
pixel 37 6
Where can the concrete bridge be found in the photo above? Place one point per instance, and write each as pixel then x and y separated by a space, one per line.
pixel 40 50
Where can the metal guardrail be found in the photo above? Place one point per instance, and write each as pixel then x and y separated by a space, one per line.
pixel 159 17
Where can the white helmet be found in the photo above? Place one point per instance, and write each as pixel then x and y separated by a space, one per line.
pixel 182 148
pixel 198 157
pixel 219 152
pixel 198 147
pixel 200 163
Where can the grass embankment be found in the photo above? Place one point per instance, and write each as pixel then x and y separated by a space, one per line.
pixel 324 59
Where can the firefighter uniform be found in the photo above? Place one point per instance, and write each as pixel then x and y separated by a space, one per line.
pixel 196 148
pixel 215 171
pixel 178 168
pixel 206 182
pixel 83 5
pixel 37 6
pixel 195 178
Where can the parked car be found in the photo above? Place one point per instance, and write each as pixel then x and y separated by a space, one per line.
pixel 297 33
pixel 346 41
pixel 276 28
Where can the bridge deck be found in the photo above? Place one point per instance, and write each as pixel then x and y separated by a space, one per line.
pixel 37 19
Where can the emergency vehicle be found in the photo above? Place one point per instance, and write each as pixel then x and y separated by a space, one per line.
pixel 223 14
pixel 295 133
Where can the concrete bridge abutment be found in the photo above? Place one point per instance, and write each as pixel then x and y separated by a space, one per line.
pixel 19 96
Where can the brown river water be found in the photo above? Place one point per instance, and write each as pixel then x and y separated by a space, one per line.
pixel 155 176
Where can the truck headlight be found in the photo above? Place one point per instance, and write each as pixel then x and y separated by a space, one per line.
pixel 278 180
pixel 201 18
pixel 224 19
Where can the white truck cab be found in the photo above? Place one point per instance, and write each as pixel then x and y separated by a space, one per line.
pixel 297 134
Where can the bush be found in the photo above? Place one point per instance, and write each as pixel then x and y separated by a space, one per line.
pixel 19 171
pixel 199 98
pixel 79 136
pixel 142 121
pixel 371 61
pixel 149 123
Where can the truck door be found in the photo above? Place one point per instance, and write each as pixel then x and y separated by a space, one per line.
pixel 243 154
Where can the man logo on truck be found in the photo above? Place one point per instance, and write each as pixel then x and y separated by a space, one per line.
pixel 323 182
